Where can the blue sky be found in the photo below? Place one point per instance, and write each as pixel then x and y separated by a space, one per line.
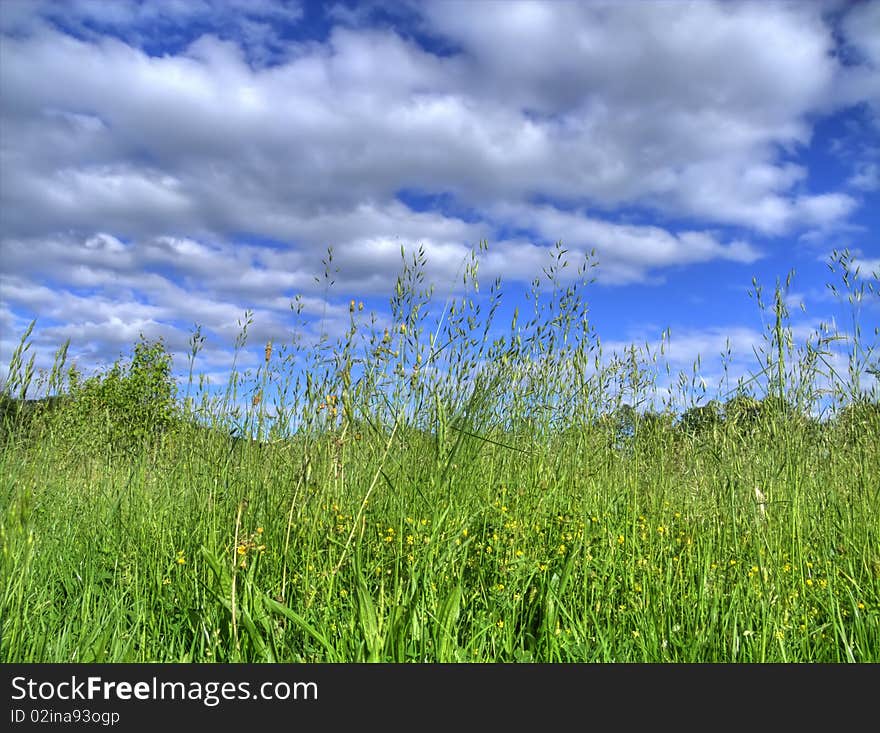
pixel 164 164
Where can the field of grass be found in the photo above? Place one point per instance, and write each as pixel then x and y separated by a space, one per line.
pixel 434 492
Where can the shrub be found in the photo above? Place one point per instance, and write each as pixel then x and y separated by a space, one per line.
pixel 134 403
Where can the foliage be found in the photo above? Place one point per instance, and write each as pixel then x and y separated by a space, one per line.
pixel 444 490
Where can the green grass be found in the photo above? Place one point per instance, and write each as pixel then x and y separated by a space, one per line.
pixel 443 497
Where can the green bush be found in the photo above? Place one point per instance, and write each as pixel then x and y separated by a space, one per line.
pixel 133 403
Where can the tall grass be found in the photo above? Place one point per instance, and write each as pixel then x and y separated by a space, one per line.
pixel 445 489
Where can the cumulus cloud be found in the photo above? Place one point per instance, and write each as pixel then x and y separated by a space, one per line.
pixel 197 158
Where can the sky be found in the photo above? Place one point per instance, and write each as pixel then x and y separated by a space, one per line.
pixel 176 163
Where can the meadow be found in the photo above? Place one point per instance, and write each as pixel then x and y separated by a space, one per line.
pixel 435 488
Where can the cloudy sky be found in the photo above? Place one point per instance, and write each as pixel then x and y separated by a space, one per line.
pixel 176 162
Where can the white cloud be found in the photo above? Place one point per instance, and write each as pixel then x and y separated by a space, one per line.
pixel 866 177
pixel 627 114
pixel 626 253
pixel 137 177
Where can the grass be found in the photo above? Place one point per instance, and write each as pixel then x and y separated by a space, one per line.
pixel 446 495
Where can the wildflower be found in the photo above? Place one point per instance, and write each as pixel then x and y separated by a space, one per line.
pixel 500 623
